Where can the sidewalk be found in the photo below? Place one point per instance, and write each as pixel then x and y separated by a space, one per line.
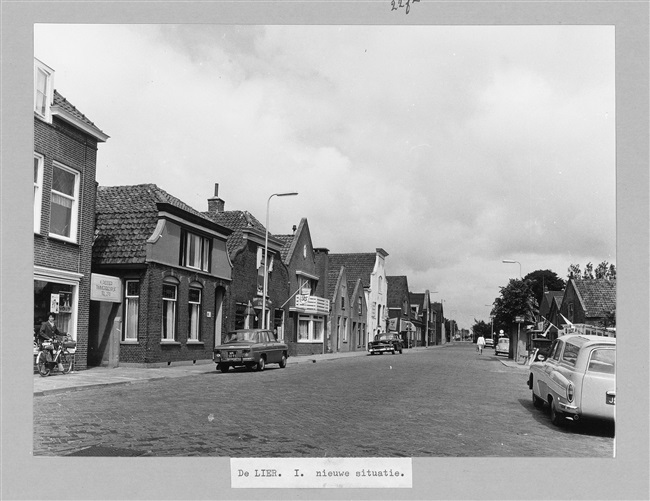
pixel 102 376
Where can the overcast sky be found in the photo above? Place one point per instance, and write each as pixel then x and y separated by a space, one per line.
pixel 450 147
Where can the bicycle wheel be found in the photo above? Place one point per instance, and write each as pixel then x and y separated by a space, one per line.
pixel 66 361
pixel 42 365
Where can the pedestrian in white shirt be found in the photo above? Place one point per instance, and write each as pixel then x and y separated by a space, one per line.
pixel 480 344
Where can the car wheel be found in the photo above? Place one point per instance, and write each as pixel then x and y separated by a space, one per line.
pixel 393 352
pixel 261 363
pixel 224 367
pixel 283 361
pixel 556 418
pixel 400 352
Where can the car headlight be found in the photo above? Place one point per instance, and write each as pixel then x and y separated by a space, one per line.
pixel 570 392
pixel 245 353
pixel 217 354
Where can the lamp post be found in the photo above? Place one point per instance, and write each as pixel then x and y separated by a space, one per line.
pixel 512 261
pixel 266 255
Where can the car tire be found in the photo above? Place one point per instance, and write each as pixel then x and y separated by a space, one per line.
pixel 556 418
pixel 261 364
pixel 283 361
pixel 224 367
pixel 400 352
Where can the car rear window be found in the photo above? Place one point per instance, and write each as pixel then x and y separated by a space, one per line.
pixel 570 355
pixel 603 361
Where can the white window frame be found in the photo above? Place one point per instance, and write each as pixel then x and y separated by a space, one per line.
pixel 194 334
pixel 74 210
pixel 165 335
pixel 130 337
pixel 44 112
pixel 38 192
pixel 204 252
pixel 316 328
pixel 345 329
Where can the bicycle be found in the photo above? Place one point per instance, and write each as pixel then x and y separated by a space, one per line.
pixel 60 355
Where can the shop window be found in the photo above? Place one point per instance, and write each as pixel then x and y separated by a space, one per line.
pixel 169 293
pixel 38 191
pixel 132 310
pixel 195 251
pixel 195 314
pixel 64 203
pixel 57 298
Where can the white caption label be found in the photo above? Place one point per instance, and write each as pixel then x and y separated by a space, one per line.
pixel 321 473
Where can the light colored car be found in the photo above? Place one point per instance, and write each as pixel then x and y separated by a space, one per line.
pixel 489 342
pixel 251 348
pixel 578 379
pixel 502 347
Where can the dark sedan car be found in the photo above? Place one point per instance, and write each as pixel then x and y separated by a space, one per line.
pixel 251 348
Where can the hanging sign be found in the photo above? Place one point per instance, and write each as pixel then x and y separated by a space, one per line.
pixel 105 288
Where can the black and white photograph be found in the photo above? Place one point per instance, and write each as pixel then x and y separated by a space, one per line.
pixel 391 255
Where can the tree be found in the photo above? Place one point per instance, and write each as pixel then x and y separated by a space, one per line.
pixel 481 328
pixel 603 270
pixel 543 280
pixel 517 299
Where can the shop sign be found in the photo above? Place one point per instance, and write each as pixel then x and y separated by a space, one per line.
pixel 105 288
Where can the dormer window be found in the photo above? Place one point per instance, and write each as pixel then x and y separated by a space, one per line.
pixel 43 89
pixel 195 251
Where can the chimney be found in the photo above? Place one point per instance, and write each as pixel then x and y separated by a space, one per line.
pixel 215 204
pixel 294 229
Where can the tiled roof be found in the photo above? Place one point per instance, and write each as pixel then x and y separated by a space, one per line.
pixel 397 289
pixel 59 100
pixel 332 280
pixel 126 217
pixel 598 296
pixel 286 240
pixel 417 298
pixel 357 265
pixel 236 220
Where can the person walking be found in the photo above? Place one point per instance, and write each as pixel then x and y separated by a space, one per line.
pixel 480 344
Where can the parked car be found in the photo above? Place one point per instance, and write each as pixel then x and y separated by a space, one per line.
pixel 251 348
pixel 386 342
pixel 489 342
pixel 578 379
pixel 502 346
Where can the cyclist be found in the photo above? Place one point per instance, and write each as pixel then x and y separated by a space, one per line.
pixel 48 332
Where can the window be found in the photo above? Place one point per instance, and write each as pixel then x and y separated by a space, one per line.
pixel 64 203
pixel 43 89
pixel 345 330
pixel 603 361
pixel 343 302
pixel 556 349
pixel 195 251
pixel 360 305
pixel 310 329
pixel 38 191
pixel 195 314
pixel 169 312
pixel 131 308
pixel 570 355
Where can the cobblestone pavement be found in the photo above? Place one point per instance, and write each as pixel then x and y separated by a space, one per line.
pixel 436 402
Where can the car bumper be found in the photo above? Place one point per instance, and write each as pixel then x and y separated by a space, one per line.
pixel 381 349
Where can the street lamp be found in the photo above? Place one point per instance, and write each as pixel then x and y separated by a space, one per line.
pixel 266 255
pixel 512 261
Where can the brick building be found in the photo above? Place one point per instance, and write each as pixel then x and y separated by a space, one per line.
pixel 173 268
pixel 243 303
pixel 399 309
pixel 65 159
pixel 307 308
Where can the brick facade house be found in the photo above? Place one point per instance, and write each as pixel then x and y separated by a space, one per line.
pixel 174 271
pixel 307 309
pixel 589 301
pixel 426 318
pixel 243 304
pixel 65 159
pixel 399 309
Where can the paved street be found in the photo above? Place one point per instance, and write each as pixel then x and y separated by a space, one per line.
pixel 436 402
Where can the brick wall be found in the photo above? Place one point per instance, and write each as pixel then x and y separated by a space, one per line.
pixel 65 144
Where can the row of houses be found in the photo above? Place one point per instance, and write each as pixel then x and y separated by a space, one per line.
pixel 138 277
pixel 584 305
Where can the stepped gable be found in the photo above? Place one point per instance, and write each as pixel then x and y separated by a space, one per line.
pixel 126 216
pixel 598 296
